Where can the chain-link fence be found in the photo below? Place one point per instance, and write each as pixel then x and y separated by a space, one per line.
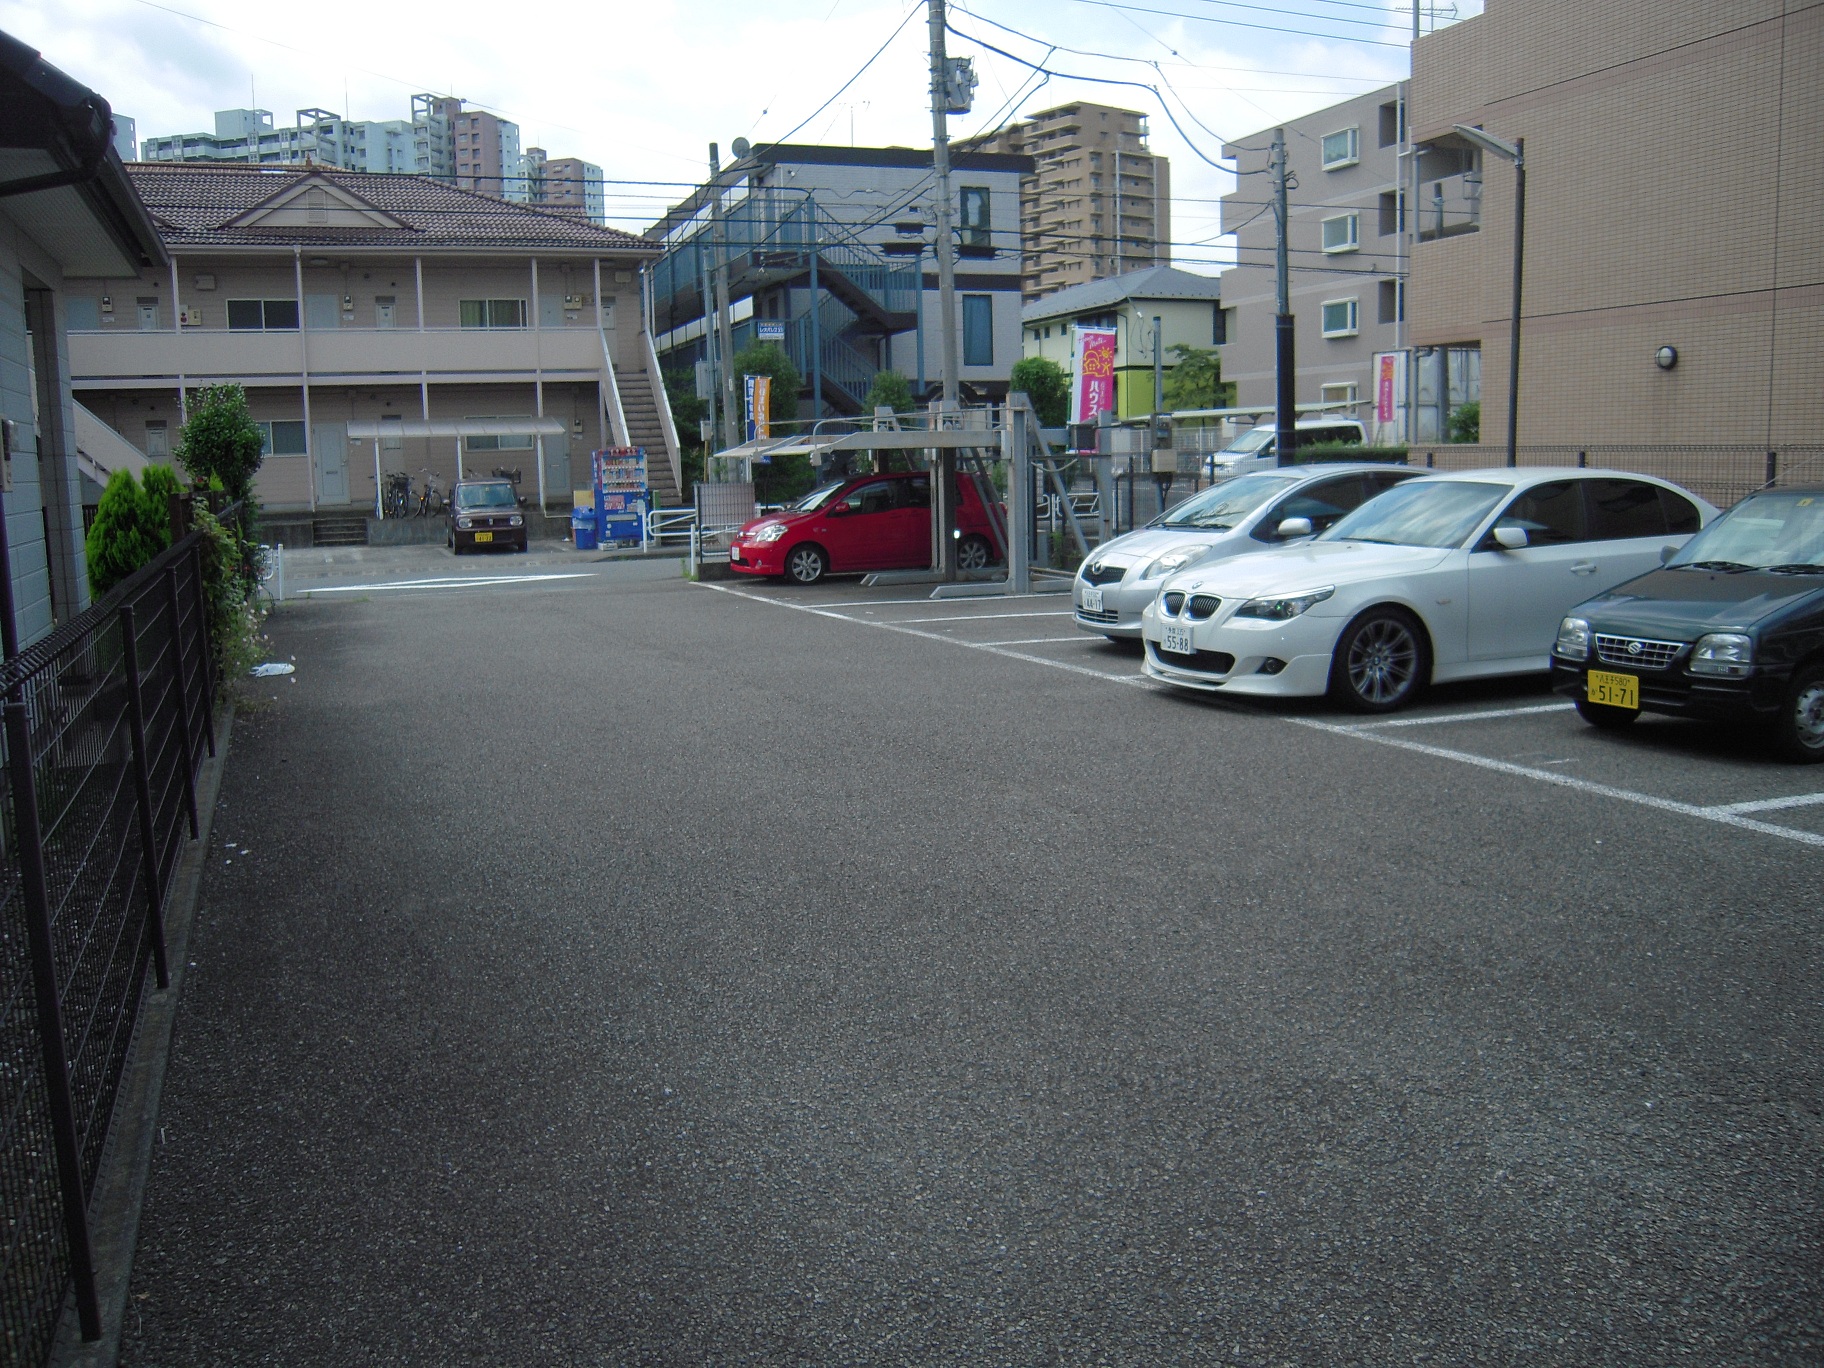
pixel 106 724
pixel 1722 474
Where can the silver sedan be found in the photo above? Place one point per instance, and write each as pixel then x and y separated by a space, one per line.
pixel 1254 512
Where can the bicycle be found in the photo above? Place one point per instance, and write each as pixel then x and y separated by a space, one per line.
pixel 396 499
pixel 431 501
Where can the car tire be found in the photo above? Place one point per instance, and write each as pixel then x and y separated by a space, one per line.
pixel 974 553
pixel 806 563
pixel 1381 661
pixel 1798 728
pixel 1604 716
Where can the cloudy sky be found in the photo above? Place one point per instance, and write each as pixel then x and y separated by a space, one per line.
pixel 641 87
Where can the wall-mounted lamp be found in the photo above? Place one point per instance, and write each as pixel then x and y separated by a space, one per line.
pixel 1666 358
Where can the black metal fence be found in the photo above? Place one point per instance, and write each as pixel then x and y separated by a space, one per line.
pixel 107 721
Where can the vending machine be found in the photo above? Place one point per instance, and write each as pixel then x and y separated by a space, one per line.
pixel 622 495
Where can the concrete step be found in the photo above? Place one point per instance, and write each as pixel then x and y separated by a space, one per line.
pixel 339 529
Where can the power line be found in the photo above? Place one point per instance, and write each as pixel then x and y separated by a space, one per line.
pixel 1238 23
pixel 898 29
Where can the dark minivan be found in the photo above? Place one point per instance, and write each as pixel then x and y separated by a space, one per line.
pixel 1731 627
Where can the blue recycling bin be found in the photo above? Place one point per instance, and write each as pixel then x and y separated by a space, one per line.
pixel 583 528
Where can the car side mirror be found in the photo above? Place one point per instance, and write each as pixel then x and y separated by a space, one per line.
pixel 841 510
pixel 1510 538
pixel 1294 527
pixel 1666 553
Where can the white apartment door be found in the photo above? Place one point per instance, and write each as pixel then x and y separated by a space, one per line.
pixel 384 316
pixel 148 315
pixel 329 452
pixel 557 469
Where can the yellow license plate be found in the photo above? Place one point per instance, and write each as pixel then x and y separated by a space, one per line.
pixel 1612 690
pixel 484 536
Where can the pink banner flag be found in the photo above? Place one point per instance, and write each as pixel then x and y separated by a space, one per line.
pixel 1095 382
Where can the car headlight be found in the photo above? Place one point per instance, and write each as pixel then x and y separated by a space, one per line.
pixel 1573 641
pixel 1282 609
pixel 766 536
pixel 516 521
pixel 1729 654
pixel 1175 559
pixel 465 522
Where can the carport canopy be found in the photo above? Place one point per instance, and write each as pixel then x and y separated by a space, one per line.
pixel 363 430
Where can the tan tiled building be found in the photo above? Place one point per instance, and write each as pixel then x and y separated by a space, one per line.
pixel 1675 200
pixel 1098 204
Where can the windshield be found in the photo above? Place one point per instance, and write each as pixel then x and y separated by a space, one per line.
pixel 1251 441
pixel 485 496
pixel 817 498
pixel 1772 531
pixel 1224 505
pixel 1421 513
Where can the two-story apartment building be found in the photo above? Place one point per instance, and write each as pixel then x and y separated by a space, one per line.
pixel 340 297
pixel 1189 309
pixel 834 248
pixel 1346 219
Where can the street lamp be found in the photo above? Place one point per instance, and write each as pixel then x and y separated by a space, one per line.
pixel 1515 152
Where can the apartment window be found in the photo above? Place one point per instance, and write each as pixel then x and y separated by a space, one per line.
pixel 1219 326
pixel 977 232
pixel 1393 123
pixel 158 439
pixel 263 315
pixel 1340 318
pixel 1339 393
pixel 493 313
pixel 281 437
pixel 1342 233
pixel 1342 148
pixel 1393 301
pixel 497 443
pixel 393 441
pixel 978 330
pixel 1393 213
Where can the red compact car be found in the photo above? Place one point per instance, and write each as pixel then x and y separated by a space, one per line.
pixel 866 522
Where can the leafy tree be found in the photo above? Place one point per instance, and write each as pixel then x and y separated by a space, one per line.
pixel 1465 423
pixel 889 390
pixel 688 410
pixel 1195 380
pixel 126 533
pixel 158 485
pixel 1043 381
pixel 220 444
pixel 769 358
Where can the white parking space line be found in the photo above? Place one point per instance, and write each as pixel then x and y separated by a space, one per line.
pixel 1467 717
pixel 1772 804
pixel 1730 815
pixel 926 601
pixel 1722 815
pixel 448 582
pixel 1035 641
pixel 986 617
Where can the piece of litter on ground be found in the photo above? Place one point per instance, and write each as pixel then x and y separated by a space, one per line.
pixel 272 667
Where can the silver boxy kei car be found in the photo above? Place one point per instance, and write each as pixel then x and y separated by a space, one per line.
pixel 1253 512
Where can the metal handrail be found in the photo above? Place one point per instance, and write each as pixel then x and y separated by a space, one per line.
pixel 616 414
pixel 655 379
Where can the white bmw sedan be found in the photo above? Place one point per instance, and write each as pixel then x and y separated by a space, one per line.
pixel 1457 576
pixel 1249 513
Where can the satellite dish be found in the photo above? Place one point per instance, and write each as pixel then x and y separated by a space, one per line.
pixel 740 147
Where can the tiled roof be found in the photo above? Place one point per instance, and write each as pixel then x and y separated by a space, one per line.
pixel 1149 282
pixel 191 203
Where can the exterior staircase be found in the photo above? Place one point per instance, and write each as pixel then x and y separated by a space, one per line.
pixel 643 429
pixel 339 529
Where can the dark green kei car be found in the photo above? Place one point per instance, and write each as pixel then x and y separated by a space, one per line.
pixel 1731 627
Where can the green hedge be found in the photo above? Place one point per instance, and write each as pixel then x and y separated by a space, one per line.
pixel 1348 451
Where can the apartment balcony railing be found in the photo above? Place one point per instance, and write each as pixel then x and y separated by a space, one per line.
pixel 128 359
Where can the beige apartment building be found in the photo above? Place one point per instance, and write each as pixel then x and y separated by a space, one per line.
pixel 1098 203
pixel 344 298
pixel 1674 243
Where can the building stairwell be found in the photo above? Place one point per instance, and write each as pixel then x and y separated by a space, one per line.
pixel 644 430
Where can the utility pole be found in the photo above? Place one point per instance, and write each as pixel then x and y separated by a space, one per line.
pixel 943 473
pixel 731 412
pixel 1286 389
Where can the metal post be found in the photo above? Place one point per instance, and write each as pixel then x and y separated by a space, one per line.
pixel 919 306
pixel 1286 377
pixel 183 695
pixel 208 664
pixel 810 209
pixel 37 910
pixel 1015 438
pixel 946 240
pixel 1513 340
pixel 1773 468
pixel 731 432
pixel 142 782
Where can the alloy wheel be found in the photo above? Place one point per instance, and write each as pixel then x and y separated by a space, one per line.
pixel 1383 660
pixel 1808 715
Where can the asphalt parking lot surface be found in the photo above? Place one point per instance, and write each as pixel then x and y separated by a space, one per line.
pixel 616 970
